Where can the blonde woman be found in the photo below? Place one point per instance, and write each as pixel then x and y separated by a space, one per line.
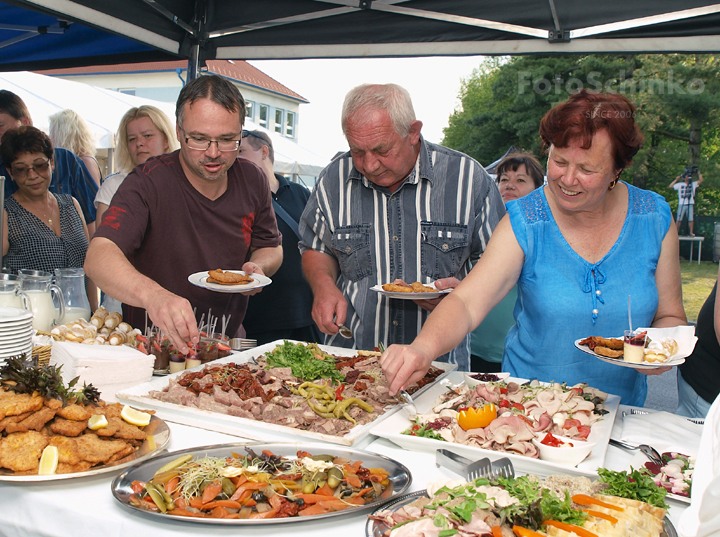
pixel 70 131
pixel 144 132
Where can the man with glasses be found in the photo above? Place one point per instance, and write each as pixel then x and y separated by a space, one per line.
pixel 197 209
pixel 283 310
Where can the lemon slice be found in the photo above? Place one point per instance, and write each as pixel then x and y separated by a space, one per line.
pixel 98 421
pixel 135 417
pixel 151 442
pixel 48 461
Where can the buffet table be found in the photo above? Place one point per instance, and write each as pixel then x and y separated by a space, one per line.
pixel 85 507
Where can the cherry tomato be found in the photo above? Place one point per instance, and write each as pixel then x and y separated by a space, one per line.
pixel 519 406
pixel 473 418
pixel 584 431
pixel 504 403
pixel 503 391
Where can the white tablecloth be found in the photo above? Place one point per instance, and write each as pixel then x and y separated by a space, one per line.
pixel 85 507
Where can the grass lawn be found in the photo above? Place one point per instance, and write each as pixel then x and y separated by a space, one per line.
pixel 697 282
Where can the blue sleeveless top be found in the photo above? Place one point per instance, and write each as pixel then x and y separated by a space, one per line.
pixel 562 297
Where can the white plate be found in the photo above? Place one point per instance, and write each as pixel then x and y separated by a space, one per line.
pixel 358 437
pixel 683 335
pixel 10 354
pixel 14 336
pixel 411 296
pixel 200 279
pixel 393 427
pixel 18 344
pixel 9 326
pixel 8 314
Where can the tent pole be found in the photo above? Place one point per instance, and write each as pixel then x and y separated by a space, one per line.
pixel 193 63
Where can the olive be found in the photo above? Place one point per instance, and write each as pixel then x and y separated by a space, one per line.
pixel 299 501
pixel 228 487
pixel 308 485
pixel 335 477
pixel 325 458
pixel 258 496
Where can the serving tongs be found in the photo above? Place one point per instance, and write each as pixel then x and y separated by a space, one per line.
pixel 650 452
pixel 403 396
pixel 472 470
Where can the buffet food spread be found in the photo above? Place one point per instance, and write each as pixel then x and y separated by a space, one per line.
pixel 286 388
pixel 52 430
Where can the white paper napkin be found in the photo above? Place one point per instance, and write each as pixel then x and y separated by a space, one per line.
pixel 663 431
pixel 109 368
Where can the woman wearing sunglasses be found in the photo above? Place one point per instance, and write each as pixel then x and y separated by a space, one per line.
pixel 41 230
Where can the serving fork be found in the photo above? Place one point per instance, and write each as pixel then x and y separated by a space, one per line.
pixel 650 452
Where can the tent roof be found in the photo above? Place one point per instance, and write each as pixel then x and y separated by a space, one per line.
pixel 115 31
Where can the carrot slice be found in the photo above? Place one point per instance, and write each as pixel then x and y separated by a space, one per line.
pixel 311 499
pixel 172 485
pixel 584 499
pixel 313 510
pixel 524 532
pixel 581 532
pixel 211 491
pixel 598 514
pixel 275 500
pixel 267 514
pixel 219 512
pixel 223 503
pixel 334 505
pixel 325 490
pixel 196 502
pixel 353 481
pixel 496 531
pixel 249 486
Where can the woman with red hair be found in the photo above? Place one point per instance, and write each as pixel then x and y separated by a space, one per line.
pixel 576 248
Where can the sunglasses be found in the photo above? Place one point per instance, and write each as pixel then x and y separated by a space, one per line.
pixel 22 172
pixel 245 134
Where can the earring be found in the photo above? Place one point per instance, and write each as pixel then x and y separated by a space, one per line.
pixel 612 185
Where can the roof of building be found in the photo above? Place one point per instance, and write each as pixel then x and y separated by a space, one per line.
pixel 238 70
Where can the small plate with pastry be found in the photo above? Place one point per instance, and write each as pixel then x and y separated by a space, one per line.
pixel 664 347
pixel 228 281
pixel 409 291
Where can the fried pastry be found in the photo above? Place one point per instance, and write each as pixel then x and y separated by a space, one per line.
pixel 606 351
pixel 402 287
pixel 224 277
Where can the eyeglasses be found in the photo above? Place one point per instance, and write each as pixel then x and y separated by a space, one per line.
pixel 245 134
pixel 22 172
pixel 203 144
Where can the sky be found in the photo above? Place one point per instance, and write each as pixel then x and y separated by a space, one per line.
pixel 433 83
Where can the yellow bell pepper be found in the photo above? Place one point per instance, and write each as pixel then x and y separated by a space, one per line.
pixel 473 418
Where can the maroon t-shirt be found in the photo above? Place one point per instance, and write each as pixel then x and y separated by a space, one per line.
pixel 168 230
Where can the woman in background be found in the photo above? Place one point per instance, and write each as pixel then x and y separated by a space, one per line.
pixel 70 131
pixel 517 175
pixel 144 132
pixel 41 230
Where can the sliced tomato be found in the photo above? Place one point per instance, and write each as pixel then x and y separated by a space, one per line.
pixel 519 406
pixel 569 423
pixel 584 431
pixel 503 391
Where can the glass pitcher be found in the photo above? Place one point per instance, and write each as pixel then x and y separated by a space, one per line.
pixel 72 283
pixel 39 289
pixel 10 293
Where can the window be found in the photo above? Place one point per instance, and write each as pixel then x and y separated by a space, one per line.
pixel 278 120
pixel 127 91
pixel 290 125
pixel 249 110
pixel 263 118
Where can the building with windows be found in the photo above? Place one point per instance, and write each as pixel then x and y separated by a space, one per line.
pixel 270 104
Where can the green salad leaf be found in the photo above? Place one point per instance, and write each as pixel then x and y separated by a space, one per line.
pixel 635 485
pixel 307 362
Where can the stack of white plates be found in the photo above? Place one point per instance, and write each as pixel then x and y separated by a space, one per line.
pixel 15 333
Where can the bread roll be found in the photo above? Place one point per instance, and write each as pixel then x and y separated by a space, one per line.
pixel 670 345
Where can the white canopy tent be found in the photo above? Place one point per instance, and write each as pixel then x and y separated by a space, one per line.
pixel 103 109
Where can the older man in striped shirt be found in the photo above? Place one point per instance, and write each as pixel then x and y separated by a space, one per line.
pixel 394 207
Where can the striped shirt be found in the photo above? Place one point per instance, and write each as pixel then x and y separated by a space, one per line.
pixel 436 225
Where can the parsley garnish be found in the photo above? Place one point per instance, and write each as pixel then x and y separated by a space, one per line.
pixel 304 362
